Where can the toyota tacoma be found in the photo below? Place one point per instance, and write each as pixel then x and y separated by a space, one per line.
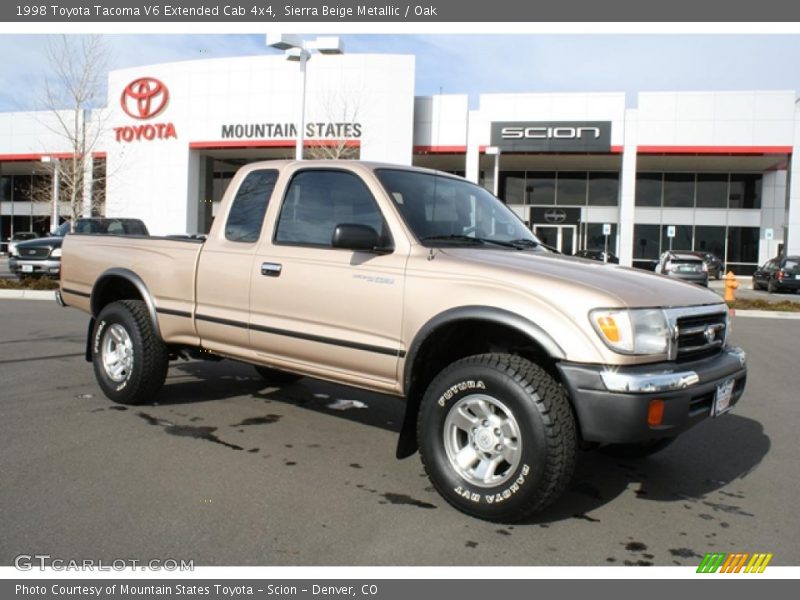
pixel 417 283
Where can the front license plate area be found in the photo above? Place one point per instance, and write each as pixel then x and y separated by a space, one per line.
pixel 27 268
pixel 722 399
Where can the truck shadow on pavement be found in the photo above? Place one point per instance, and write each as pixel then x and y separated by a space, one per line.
pixel 210 381
pixel 699 470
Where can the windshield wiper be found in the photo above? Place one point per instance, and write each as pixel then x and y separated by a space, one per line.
pixel 452 238
pixel 534 244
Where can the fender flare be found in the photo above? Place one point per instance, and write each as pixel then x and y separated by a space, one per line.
pixel 137 282
pixel 407 440
pixel 478 313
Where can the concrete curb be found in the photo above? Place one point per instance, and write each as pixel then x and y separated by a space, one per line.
pixel 767 314
pixel 27 295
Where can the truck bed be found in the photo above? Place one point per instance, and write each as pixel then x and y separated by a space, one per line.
pixel 166 266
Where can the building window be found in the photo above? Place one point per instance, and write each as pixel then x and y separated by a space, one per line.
pixel 603 189
pixel 742 245
pixel 709 238
pixel 745 191
pixel 712 190
pixel 512 187
pixel 678 190
pixel 646 240
pixel 595 240
pixel 540 188
pixel 571 188
pixel 648 189
pixel 681 241
pixel 5 189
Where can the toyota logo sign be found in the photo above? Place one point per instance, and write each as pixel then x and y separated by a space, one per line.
pixel 144 98
pixel 555 215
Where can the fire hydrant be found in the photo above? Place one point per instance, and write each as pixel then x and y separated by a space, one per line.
pixel 731 285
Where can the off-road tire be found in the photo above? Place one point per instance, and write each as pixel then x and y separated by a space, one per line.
pixel 639 450
pixel 546 426
pixel 150 359
pixel 277 376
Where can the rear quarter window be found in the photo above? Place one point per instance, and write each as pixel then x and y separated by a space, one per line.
pixel 247 212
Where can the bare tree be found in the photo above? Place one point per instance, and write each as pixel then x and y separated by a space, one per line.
pixel 342 114
pixel 79 65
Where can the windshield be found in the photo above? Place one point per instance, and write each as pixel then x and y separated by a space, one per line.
pixel 62 230
pixel 444 210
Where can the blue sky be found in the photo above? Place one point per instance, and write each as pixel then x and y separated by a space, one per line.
pixel 476 64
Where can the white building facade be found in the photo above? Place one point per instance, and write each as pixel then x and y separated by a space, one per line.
pixel 704 171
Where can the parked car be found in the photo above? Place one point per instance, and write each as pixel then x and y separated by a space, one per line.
pixel 713 263
pixel 683 265
pixel 782 273
pixel 20 236
pixel 42 256
pixel 599 255
pixel 510 358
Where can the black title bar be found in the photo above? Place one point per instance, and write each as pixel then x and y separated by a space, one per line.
pixel 350 11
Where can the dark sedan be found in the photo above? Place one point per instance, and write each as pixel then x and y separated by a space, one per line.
pixel 778 275
pixel 599 255
pixel 713 263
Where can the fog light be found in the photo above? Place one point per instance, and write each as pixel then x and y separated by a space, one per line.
pixel 655 413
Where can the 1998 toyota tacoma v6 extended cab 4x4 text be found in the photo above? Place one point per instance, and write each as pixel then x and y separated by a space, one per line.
pixel 419 284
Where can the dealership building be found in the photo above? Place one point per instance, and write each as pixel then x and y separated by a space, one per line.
pixel 710 170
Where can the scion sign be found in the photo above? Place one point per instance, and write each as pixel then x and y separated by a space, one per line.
pixel 552 136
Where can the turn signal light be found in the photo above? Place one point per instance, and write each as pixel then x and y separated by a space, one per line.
pixel 655 413
pixel 609 328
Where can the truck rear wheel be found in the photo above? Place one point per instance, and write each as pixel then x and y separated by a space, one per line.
pixel 277 376
pixel 497 437
pixel 130 360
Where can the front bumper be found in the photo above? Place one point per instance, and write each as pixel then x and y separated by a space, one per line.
pixel 611 403
pixel 21 266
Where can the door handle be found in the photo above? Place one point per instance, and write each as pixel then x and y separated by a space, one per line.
pixel 271 269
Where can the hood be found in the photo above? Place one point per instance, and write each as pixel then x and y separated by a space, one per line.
pixel 610 284
pixel 52 242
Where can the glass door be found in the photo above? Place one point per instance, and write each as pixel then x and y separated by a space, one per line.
pixel 561 237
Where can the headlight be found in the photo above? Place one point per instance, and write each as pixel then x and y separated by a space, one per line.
pixel 56 253
pixel 637 331
pixel 13 251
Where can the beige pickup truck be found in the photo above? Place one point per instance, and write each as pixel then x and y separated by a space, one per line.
pixel 419 284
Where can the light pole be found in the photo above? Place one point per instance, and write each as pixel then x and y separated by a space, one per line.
pixel 494 150
pixel 56 185
pixel 296 49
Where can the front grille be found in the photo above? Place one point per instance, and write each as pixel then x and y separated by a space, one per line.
pixel 35 252
pixel 701 335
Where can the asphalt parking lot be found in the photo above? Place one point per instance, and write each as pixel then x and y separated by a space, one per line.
pixel 225 470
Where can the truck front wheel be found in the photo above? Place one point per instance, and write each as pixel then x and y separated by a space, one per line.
pixel 130 360
pixel 497 436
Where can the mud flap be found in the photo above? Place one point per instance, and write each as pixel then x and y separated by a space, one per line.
pixel 89 340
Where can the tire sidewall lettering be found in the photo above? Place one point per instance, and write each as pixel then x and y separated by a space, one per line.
pixel 502 494
pixel 453 391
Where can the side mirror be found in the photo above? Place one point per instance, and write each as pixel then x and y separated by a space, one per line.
pixel 360 238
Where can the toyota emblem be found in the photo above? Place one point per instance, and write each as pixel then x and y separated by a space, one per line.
pixel 555 215
pixel 710 334
pixel 144 98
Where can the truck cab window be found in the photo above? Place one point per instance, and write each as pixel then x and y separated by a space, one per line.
pixel 249 206
pixel 317 201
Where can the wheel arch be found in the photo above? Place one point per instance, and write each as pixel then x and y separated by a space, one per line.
pixel 122 284
pixel 460 332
